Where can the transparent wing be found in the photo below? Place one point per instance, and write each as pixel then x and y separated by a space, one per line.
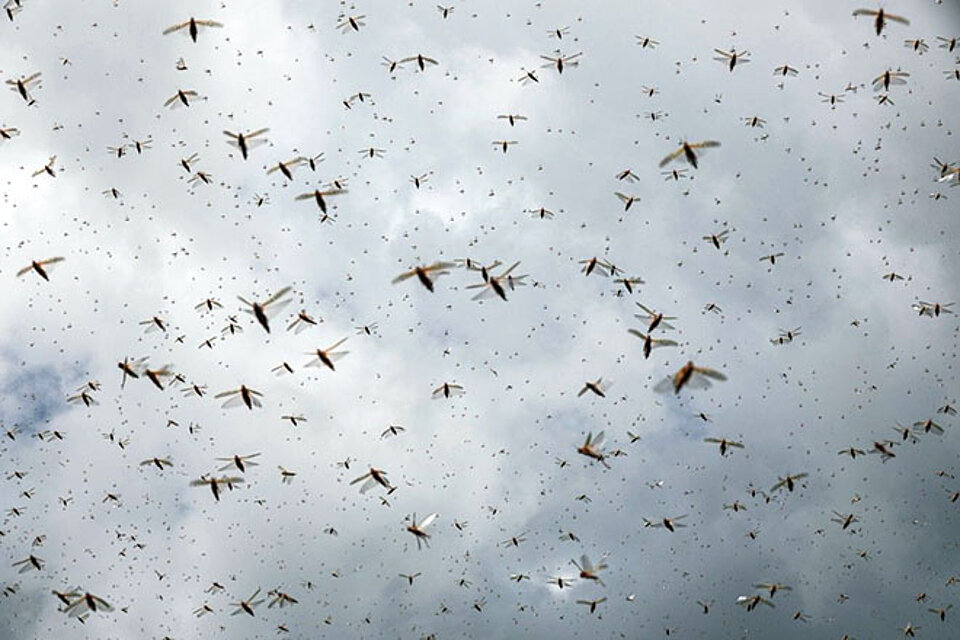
pixel 337 344
pixel 509 271
pixel 360 479
pixel 670 158
pixel 585 564
pixel 710 373
pixel 175 27
pixel 664 385
pixel 403 276
pixel 236 401
pixel 277 296
pixel 697 382
pixel 486 293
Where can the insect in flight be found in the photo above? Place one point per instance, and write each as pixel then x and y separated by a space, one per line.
pixel 192 27
pixel 880 18
pixel 688 151
pixel 326 357
pixel 40 267
pixel 419 529
pixel 263 311
pixel 424 274
pixel 243 142
pixel 241 396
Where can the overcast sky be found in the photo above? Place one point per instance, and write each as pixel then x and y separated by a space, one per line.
pixel 845 192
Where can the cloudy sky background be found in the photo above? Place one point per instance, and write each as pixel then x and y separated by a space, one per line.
pixel 844 193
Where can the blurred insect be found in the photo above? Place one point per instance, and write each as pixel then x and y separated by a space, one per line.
pixel 589 571
pixel 242 396
pixel 880 18
pixel 948 43
pixel 650 343
pixel 302 322
pixel 689 375
pixel 419 529
pixel 243 142
pixel 159 463
pixel 417 181
pixel 366 329
pixel 771 258
pixel 598 387
pixel 421 60
pixel 40 267
pixel 789 482
pixel 889 77
pixel 216 483
pixel 263 311
pixel 372 478
pixel 181 97
pixel 732 58
pixel 654 318
pixel 47 168
pixel 670 524
pixel 688 151
pixel 247 606
pixel 287 167
pixel 844 520
pixel 193 27
pixel 560 61
pixel 785 70
pixel 351 22
pixel 627 200
pixel 24 85
pixel 592 448
pixel 919 45
pixel 629 283
pixel 29 563
pixel 716 239
pixel 725 444
pixel 8 133
pixel 447 390
pixel 326 357
pixel 750 602
pixel 318 196
pixel 240 462
pixel 424 274
pixel 512 118
pixel 646 42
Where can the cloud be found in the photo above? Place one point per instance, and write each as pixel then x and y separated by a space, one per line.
pixel 843 192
